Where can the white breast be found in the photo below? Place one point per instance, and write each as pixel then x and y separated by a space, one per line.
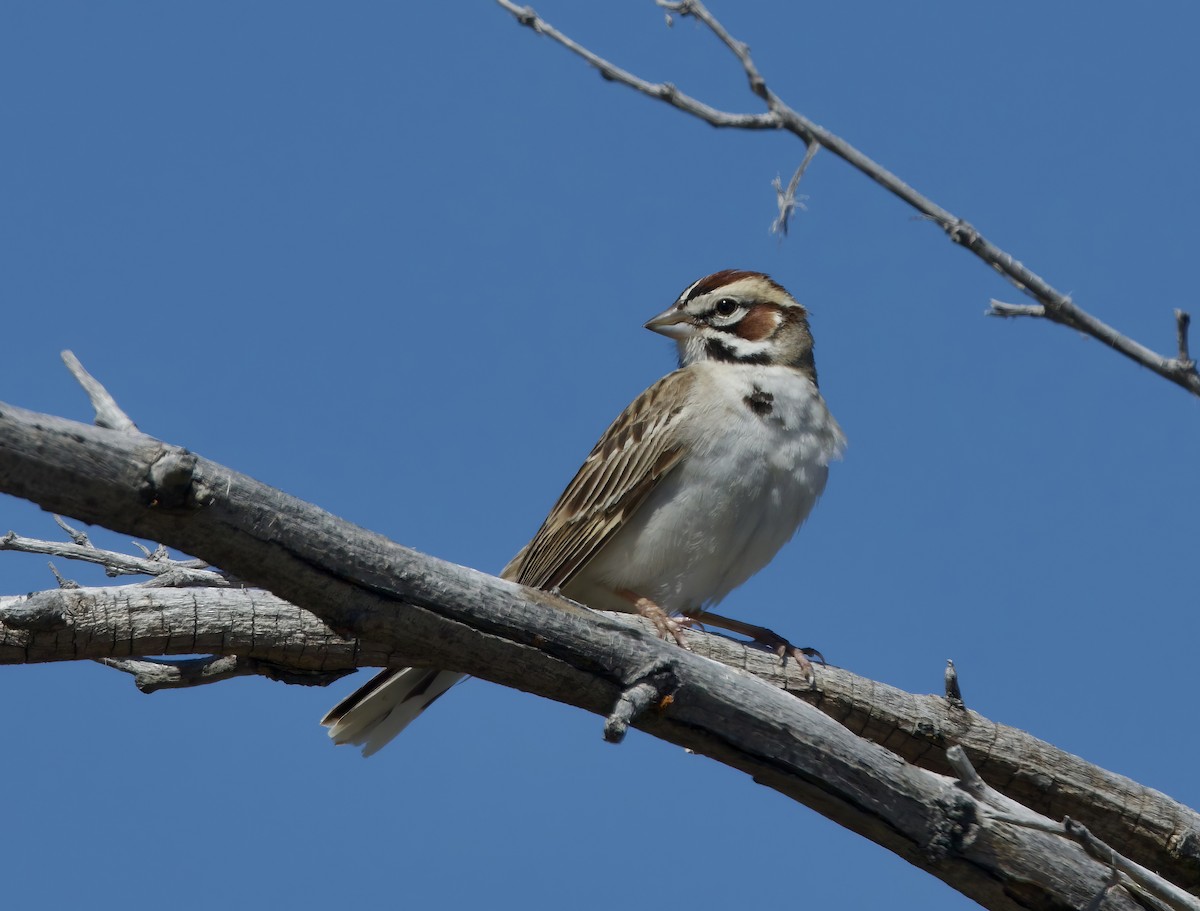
pixel 749 480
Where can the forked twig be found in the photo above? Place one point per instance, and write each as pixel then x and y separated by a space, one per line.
pixel 164 570
pixel 786 198
pixel 663 91
pixel 1127 873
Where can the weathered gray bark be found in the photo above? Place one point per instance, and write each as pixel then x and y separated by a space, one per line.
pixel 402 606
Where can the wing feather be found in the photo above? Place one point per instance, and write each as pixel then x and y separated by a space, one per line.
pixel 632 456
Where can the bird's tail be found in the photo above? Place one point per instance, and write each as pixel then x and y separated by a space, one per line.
pixel 383 707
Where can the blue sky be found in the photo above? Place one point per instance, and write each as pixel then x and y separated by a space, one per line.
pixel 395 258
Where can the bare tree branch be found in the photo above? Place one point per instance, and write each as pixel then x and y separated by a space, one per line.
pixel 404 607
pixel 1053 305
pixel 1181 371
pixel 663 91
pixel 1144 881
pixel 124 621
pixel 165 570
pixel 130 621
pixel 1150 889
pixel 1135 876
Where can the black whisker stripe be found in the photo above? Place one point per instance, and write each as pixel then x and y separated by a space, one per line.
pixel 718 350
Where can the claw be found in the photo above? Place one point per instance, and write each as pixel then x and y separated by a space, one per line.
pixel 663 622
pixel 767 639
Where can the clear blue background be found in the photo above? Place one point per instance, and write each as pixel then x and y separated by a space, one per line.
pixel 394 259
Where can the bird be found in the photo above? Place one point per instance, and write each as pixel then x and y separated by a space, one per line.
pixel 692 490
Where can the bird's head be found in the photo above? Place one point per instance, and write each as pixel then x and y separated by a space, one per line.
pixel 738 317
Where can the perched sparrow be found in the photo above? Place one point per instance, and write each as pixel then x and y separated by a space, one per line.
pixel 691 491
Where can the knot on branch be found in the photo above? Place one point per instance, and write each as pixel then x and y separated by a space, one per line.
pixel 666 91
pixel 44 612
pixel 526 16
pixel 955 827
pixel 961 233
pixel 654 686
pixel 1186 847
pixel 168 483
pixel 1183 320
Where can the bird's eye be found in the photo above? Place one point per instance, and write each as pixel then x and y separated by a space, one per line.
pixel 726 306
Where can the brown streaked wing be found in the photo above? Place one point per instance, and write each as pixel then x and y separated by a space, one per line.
pixel 632 456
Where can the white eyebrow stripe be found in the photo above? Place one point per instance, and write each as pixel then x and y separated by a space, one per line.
pixel 690 288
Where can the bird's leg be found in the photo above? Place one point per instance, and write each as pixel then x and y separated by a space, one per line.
pixel 663 621
pixel 761 636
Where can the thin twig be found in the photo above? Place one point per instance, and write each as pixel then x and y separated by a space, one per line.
pixel 1136 877
pixel 1053 304
pixel 62 581
pixel 740 49
pixel 1003 809
pixel 1162 890
pixel 786 199
pixel 1000 308
pixel 79 537
pixel 663 91
pixel 1180 371
pixel 180 572
pixel 108 412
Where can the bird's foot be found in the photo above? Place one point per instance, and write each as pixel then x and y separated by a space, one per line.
pixel 666 625
pixel 800 654
pixel 761 636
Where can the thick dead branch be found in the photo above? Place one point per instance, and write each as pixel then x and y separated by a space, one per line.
pixel 411 605
pixel 1053 305
pixel 124 621
pixel 131 621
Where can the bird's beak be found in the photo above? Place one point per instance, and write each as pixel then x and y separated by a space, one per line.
pixel 673 323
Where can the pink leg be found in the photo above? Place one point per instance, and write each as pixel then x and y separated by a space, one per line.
pixel 665 624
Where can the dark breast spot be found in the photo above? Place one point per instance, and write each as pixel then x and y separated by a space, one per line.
pixel 760 402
